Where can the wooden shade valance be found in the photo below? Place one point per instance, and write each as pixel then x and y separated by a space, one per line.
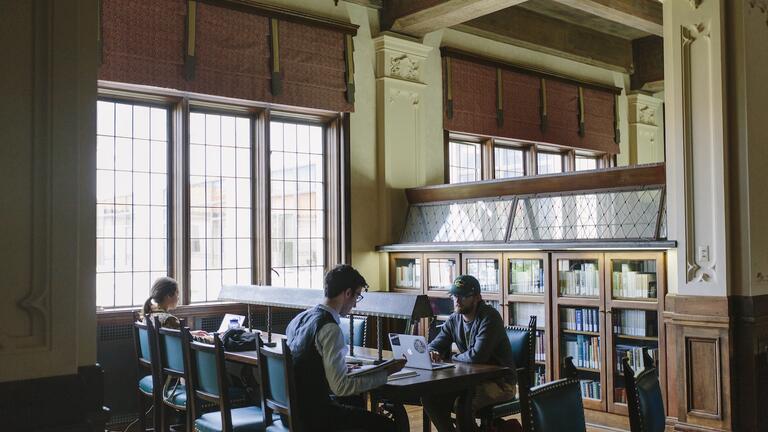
pixel 227 48
pixel 489 98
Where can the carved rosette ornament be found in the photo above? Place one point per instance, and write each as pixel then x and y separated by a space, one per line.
pixel 404 67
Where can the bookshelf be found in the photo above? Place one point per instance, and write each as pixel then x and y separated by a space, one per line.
pixel 579 321
pixel 635 287
pixel 526 281
pixel 406 272
pixel 594 306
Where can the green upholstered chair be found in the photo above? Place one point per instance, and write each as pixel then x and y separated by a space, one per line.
pixel 557 406
pixel 278 390
pixel 646 406
pixel 523 342
pixel 359 325
pixel 207 382
pixel 172 370
pixel 147 371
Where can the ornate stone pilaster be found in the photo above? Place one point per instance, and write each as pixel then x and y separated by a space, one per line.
pixel 400 86
pixel 646 131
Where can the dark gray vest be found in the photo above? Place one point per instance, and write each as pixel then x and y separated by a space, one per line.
pixel 311 384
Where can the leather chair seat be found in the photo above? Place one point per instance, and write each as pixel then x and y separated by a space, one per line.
pixel 247 419
pixel 277 426
pixel 503 409
pixel 176 396
pixel 146 386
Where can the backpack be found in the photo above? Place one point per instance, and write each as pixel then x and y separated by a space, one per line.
pixel 240 339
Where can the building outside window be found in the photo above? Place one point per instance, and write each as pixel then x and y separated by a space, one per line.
pixel 584 163
pixel 549 163
pixel 464 162
pixel 508 162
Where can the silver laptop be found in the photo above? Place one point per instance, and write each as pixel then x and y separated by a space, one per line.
pixel 414 349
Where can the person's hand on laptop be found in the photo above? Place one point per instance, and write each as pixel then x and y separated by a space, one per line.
pixel 436 357
pixel 395 366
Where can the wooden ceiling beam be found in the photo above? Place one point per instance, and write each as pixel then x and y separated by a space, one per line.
pixel 644 15
pixel 521 27
pixel 419 17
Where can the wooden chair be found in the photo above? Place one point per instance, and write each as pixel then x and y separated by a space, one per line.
pixel 557 406
pixel 172 369
pixel 146 350
pixel 207 381
pixel 278 389
pixel 646 406
pixel 523 342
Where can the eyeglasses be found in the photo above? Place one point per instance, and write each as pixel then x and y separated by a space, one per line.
pixel 359 298
pixel 459 297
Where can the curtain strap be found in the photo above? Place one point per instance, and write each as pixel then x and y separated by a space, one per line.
pixel 274 44
pixel 581 111
pixel 448 88
pixel 349 64
pixel 499 98
pixel 189 53
pixel 543 108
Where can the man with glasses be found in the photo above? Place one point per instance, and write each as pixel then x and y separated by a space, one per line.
pixel 477 330
pixel 319 353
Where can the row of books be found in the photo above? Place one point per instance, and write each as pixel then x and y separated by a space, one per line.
pixel 632 284
pixel 441 273
pixel 521 314
pixel 486 272
pixel 580 319
pixel 581 281
pixel 635 322
pixel 590 389
pixel 620 395
pixel 584 349
pixel 526 277
pixel 408 276
pixel 539 377
pixel 635 356
pixel 541 350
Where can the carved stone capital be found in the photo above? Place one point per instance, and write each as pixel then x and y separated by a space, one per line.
pixel 644 109
pixel 400 58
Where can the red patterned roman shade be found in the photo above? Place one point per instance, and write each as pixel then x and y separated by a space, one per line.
pixel 474 106
pixel 144 43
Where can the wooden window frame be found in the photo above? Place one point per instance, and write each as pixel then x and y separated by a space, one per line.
pixel 336 174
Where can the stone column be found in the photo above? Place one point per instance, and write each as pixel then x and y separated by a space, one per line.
pixel 400 65
pixel 646 130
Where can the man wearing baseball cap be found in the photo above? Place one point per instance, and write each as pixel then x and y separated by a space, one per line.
pixel 477 329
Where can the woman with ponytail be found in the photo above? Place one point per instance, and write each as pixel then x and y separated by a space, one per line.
pixel 163 298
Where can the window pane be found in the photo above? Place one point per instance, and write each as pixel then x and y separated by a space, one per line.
pixel 464 162
pixel 130 202
pixel 549 163
pixel 584 163
pixel 220 185
pixel 508 162
pixel 296 190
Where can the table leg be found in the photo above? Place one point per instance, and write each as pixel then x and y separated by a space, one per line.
pixel 426 425
pixel 465 419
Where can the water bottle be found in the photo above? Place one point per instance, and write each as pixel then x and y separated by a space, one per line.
pixel 233 323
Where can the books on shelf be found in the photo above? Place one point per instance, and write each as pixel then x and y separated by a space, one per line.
pixel 541 350
pixel 629 283
pixel 635 356
pixel 408 276
pixel 521 314
pixel 590 389
pixel 487 273
pixel 620 395
pixel 441 273
pixel 635 323
pixel 584 349
pixel 526 276
pixel 539 376
pixel 580 319
pixel 580 281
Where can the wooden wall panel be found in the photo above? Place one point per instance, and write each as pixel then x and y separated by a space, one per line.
pixel 703 376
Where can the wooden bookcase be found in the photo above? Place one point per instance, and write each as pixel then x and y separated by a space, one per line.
pixel 617 312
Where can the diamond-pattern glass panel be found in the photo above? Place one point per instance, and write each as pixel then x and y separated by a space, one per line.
pixel 482 220
pixel 623 214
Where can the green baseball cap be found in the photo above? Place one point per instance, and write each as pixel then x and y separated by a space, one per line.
pixel 465 285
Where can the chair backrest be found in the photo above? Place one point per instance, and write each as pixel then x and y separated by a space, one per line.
pixel 358 329
pixel 278 387
pixel 171 354
pixel 523 343
pixel 644 401
pixel 143 341
pixel 557 406
pixel 206 376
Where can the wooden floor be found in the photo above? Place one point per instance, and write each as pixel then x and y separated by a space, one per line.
pixel 415 419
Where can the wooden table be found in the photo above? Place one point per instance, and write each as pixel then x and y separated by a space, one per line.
pixel 460 379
